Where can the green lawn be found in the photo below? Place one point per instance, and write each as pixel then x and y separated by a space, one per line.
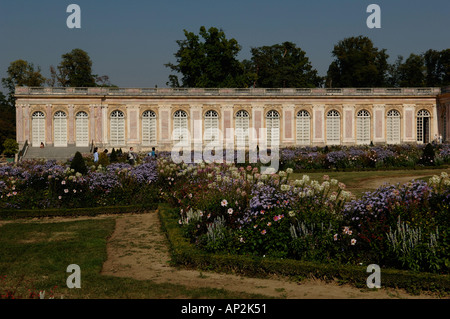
pixel 35 256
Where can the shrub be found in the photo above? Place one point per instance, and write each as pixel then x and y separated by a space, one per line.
pixel 428 156
pixel 113 156
pixel 78 164
pixel 10 146
pixel 103 159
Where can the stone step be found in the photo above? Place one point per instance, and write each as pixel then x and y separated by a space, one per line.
pixel 54 153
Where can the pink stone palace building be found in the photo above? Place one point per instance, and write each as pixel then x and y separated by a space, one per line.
pixel 158 117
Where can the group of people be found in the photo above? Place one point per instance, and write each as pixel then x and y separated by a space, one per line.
pixel 437 139
pixel 132 156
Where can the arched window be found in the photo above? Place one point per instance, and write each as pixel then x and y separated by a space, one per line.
pixel 148 128
pixel 211 123
pixel 60 129
pixel 303 128
pixel 242 123
pixel 363 127
pixel 82 129
pixel 38 128
pixel 423 126
pixel 333 127
pixel 117 128
pixel 273 127
pixel 393 127
pixel 180 126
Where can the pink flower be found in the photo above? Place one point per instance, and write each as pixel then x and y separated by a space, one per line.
pixel 263 232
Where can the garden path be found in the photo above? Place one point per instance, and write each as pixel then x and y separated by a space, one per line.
pixel 139 249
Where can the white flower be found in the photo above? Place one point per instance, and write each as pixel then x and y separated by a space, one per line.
pixel 230 211
pixel 63 182
pixel 289 170
pixel 353 241
pixel 224 203
pixel 291 213
pixel 282 174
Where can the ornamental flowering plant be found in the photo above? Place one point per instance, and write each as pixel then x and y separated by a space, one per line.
pixel 39 184
pixel 405 226
pixel 238 210
pixel 361 157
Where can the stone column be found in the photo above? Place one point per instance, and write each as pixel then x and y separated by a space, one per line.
pixel 26 123
pixel 92 124
pixel 164 127
pixel 446 134
pixel 318 122
pixel 288 123
pixel 409 127
pixel 379 123
pixel 133 125
pixel 49 126
pixel 19 124
pixel 71 126
pixel 348 128
pixel 102 124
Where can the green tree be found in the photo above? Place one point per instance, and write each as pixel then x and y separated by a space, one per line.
pixel 7 121
pixel 412 72
pixel 78 164
pixel 207 60
pixel 75 70
pixel 10 147
pixel 358 63
pixel 283 65
pixel 437 64
pixel 21 73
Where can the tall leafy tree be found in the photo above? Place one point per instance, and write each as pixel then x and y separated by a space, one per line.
pixel 283 65
pixel 75 70
pixel 412 73
pixel 208 60
pixel 358 63
pixel 21 73
pixel 7 121
pixel 437 64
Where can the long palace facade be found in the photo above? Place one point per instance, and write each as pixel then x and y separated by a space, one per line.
pixel 159 117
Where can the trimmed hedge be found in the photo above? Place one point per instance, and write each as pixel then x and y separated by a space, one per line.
pixel 61 212
pixel 187 255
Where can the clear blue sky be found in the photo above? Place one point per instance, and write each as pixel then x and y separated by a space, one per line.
pixel 131 40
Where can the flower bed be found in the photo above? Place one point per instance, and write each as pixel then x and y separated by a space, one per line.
pixel 234 210
pixel 49 185
pixel 361 157
pixel 239 211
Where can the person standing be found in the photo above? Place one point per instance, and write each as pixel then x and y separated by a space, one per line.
pixel 95 155
pixel 131 156
pixel 152 154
